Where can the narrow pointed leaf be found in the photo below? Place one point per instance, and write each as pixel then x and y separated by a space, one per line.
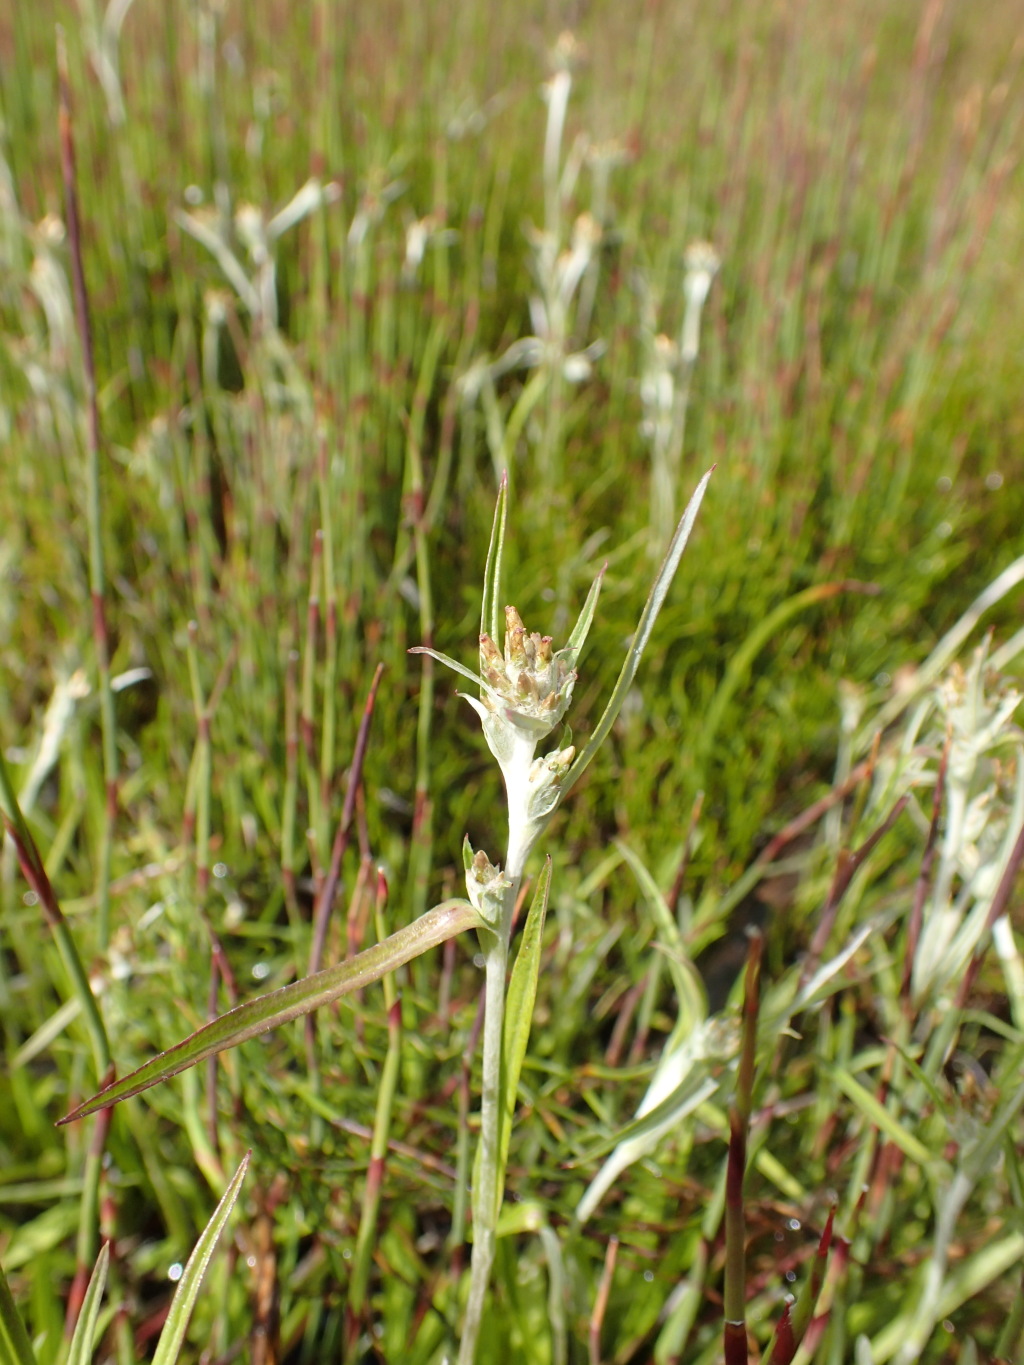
pixel 660 913
pixel 519 1002
pixel 269 1011
pixel 455 666
pixel 491 606
pixel 782 1347
pixel 485 687
pixel 796 1317
pixel 34 870
pixel 655 601
pixel 15 1346
pixel 643 1136
pixel 581 629
pixel 80 1352
pixel 187 1292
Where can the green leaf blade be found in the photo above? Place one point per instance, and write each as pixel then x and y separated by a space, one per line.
pixel 80 1351
pixel 519 1002
pixel 490 608
pixel 655 601
pixel 278 1007
pixel 187 1292
pixel 15 1346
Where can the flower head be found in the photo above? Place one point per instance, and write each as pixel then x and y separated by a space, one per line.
pixel 524 691
pixel 702 265
pixel 529 684
pixel 486 884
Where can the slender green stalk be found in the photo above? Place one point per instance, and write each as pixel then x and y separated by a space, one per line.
pixel 94 518
pixel 291 787
pixel 463 1163
pixel 735 1296
pixel 328 889
pixel 307 724
pixel 420 853
pixel 686 1302
pixel 203 763
pixel 328 728
pixel 486 1193
pixel 379 1143
pixel 15 1346
pixel 35 874
pixel 88 1219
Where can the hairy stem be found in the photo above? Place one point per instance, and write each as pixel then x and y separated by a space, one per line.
pixel 486 1200
pixel 489 1173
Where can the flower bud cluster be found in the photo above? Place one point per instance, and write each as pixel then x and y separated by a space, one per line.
pixel 529 683
pixel 545 783
pixel 702 265
pixel 525 690
pixel 486 884
pixel 970 717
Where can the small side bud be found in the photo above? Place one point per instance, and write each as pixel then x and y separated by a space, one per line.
pixel 492 664
pixel 546 776
pixel 485 883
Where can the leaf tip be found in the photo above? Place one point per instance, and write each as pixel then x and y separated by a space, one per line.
pixel 80 1111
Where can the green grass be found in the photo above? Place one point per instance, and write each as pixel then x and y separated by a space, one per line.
pixel 284 508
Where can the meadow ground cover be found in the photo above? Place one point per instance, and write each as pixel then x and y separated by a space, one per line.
pixel 345 267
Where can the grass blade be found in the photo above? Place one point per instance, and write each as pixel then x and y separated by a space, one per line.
pixel 877 1114
pixel 735 1295
pixel 378 1146
pixel 15 1347
pixel 456 667
pixel 688 984
pixel 80 1352
pixel 34 870
pixel 188 1289
pixel 796 1317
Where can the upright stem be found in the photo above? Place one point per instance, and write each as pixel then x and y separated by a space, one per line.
pixel 485 1186
pixel 97 574
pixel 735 1289
pixel 488 1173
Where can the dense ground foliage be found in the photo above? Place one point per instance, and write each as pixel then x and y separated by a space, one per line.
pixel 344 267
